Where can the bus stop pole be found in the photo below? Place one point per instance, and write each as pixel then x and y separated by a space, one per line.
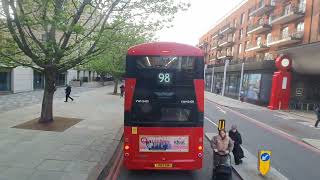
pixel 241 80
pixel 212 78
pixel 224 77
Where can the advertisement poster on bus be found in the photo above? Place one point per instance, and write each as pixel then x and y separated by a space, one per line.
pixel 163 143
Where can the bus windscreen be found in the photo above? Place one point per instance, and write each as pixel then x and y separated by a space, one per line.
pixel 164 91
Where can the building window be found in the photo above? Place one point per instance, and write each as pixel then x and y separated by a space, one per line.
pixel 232 50
pixel 302 6
pixel 261 3
pixel 287 9
pixel 240 33
pixel 285 32
pixel 233 37
pixel 273 2
pixel 243 17
pixel 229 52
pixel 240 48
pixel 247 29
pixel 269 38
pixel 261 21
pixel 270 19
pixel 235 23
pixel 247 45
pixel 300 27
pixel 258 40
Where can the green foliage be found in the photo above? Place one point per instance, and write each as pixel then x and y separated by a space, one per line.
pixel 112 61
pixel 56 35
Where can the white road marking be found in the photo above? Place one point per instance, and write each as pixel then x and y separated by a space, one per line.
pixel 211 121
pixel 221 110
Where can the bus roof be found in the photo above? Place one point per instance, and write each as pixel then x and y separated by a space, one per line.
pixel 165 49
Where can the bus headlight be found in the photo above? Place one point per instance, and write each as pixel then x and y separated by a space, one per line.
pixel 126 147
pixel 200 148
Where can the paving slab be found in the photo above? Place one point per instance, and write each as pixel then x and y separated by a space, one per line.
pixel 79 152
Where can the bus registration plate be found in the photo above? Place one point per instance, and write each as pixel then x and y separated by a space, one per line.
pixel 163 165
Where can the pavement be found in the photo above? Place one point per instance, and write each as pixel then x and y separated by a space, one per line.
pixel 308 116
pixel 18 100
pixel 289 137
pixel 78 153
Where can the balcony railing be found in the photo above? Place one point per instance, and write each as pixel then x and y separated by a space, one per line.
pixel 229 28
pixel 225 55
pixel 262 9
pixel 226 42
pixel 215 46
pixel 217 36
pixel 257 47
pixel 285 17
pixel 259 28
pixel 286 39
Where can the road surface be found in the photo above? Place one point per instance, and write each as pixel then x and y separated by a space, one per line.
pixel 262 130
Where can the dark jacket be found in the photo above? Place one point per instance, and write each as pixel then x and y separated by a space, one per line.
pixel 122 87
pixel 317 111
pixel 237 150
pixel 68 90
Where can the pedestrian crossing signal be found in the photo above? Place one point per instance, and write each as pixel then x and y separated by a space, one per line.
pixel 222 124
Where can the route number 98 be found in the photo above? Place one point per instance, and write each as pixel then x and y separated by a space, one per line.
pixel 164 77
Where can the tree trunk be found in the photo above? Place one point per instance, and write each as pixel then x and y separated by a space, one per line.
pixel 49 89
pixel 115 90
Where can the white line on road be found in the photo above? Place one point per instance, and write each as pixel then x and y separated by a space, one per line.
pixel 221 110
pixel 211 121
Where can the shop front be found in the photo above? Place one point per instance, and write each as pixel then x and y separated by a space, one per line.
pixel 256 82
pixel 5 80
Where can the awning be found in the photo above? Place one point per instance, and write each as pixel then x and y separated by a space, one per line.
pixel 305 58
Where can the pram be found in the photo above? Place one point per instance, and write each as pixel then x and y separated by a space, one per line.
pixel 223 169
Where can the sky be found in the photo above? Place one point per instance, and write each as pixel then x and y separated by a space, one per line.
pixel 190 25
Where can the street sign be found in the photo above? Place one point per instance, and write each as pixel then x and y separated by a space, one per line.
pixel 264 161
pixel 222 124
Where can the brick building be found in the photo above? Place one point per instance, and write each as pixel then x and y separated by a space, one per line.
pixel 255 33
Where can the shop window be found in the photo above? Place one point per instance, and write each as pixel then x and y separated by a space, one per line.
pixel 251 86
pixel 5 80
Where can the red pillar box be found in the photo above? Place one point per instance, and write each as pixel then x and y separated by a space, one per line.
pixel 281 84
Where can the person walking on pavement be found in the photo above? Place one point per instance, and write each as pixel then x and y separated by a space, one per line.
pixel 237 150
pixel 68 92
pixel 317 111
pixel 121 90
pixel 222 145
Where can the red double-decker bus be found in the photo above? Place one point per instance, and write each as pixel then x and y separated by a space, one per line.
pixel 164 106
